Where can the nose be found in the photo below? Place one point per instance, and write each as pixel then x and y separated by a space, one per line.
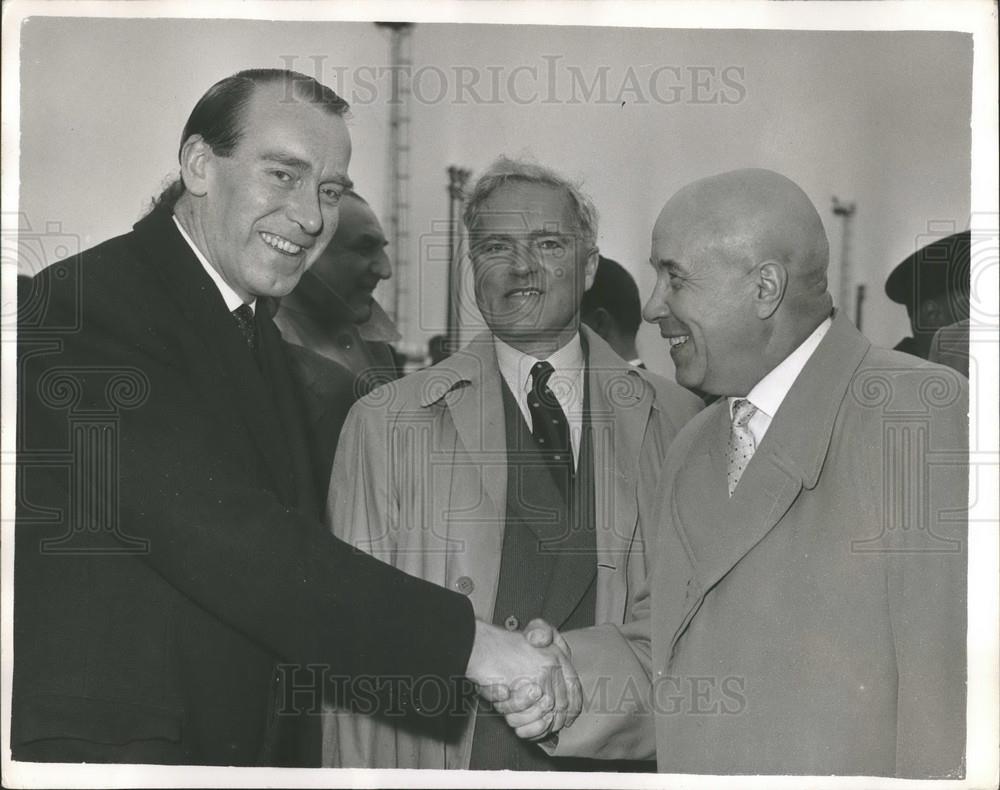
pixel 380 266
pixel 656 309
pixel 304 210
pixel 525 259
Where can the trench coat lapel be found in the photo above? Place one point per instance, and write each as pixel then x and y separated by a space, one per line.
pixel 618 403
pixel 621 402
pixel 468 384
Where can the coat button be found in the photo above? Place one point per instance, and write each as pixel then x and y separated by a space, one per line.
pixel 511 623
pixel 465 585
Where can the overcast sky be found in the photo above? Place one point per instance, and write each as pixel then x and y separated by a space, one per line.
pixel 878 118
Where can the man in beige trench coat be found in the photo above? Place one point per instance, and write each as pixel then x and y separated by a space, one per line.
pixel 447 473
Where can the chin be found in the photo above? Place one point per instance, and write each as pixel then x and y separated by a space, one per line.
pixel 688 381
pixel 360 313
pixel 281 289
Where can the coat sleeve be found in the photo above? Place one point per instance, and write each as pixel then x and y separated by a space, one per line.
pixel 187 488
pixel 926 563
pixel 614 663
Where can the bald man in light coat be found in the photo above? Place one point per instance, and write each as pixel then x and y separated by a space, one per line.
pixel 806 611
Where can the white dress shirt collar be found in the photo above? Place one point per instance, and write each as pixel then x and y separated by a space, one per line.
pixel 229 296
pixel 769 393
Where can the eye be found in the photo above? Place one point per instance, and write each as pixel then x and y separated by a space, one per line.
pixel 494 247
pixel 550 245
pixel 281 175
pixel 331 195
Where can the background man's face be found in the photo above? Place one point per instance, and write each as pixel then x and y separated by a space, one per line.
pixel 702 301
pixel 531 263
pixel 355 260
pixel 272 206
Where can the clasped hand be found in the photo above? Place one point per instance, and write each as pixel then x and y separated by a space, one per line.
pixel 528 677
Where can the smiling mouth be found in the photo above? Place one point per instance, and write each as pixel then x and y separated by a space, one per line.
pixel 679 340
pixel 525 292
pixel 281 244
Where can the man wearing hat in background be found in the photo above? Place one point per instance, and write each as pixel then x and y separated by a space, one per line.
pixel 934 285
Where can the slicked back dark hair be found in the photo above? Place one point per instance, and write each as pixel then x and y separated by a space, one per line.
pixel 615 291
pixel 218 115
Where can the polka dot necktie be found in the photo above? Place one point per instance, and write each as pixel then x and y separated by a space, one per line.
pixel 741 442
pixel 243 316
pixel 548 422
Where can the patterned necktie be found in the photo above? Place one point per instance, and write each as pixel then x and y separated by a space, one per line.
pixel 244 320
pixel 548 422
pixel 741 442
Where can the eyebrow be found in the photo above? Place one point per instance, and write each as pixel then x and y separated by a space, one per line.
pixel 520 234
pixel 289 160
pixel 669 264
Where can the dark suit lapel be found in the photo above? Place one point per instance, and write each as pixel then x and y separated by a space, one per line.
pixel 719 531
pixel 228 370
pixel 289 400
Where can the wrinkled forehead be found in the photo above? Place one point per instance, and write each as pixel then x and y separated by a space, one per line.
pixel 678 228
pixel 272 118
pixel 522 207
pixel 691 244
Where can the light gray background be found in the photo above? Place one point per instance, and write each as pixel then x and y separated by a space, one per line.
pixel 880 118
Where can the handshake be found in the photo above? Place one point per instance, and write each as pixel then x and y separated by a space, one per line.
pixel 527 676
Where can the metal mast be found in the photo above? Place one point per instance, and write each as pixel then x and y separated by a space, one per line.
pixel 398 173
pixel 457 177
pixel 846 298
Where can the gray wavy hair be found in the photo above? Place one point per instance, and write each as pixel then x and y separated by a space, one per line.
pixel 505 170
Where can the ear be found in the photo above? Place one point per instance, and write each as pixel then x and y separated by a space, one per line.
pixel 772 279
pixel 931 316
pixel 590 269
pixel 196 158
pixel 600 321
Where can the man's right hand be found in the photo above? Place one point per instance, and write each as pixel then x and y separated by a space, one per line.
pixel 535 683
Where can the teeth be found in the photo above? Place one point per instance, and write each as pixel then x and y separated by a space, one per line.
pixel 526 292
pixel 281 244
pixel 676 341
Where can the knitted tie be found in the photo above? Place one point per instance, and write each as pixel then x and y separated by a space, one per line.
pixel 244 320
pixel 741 442
pixel 548 422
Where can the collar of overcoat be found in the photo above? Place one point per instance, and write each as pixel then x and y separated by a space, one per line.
pixel 261 393
pixel 716 531
pixel 468 385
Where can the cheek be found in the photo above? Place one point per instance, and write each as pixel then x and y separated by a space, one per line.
pixel 488 278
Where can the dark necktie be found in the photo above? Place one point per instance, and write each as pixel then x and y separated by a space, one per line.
pixel 548 422
pixel 244 320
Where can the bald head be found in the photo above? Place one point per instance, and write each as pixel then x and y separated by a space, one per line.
pixel 741 263
pixel 753 215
